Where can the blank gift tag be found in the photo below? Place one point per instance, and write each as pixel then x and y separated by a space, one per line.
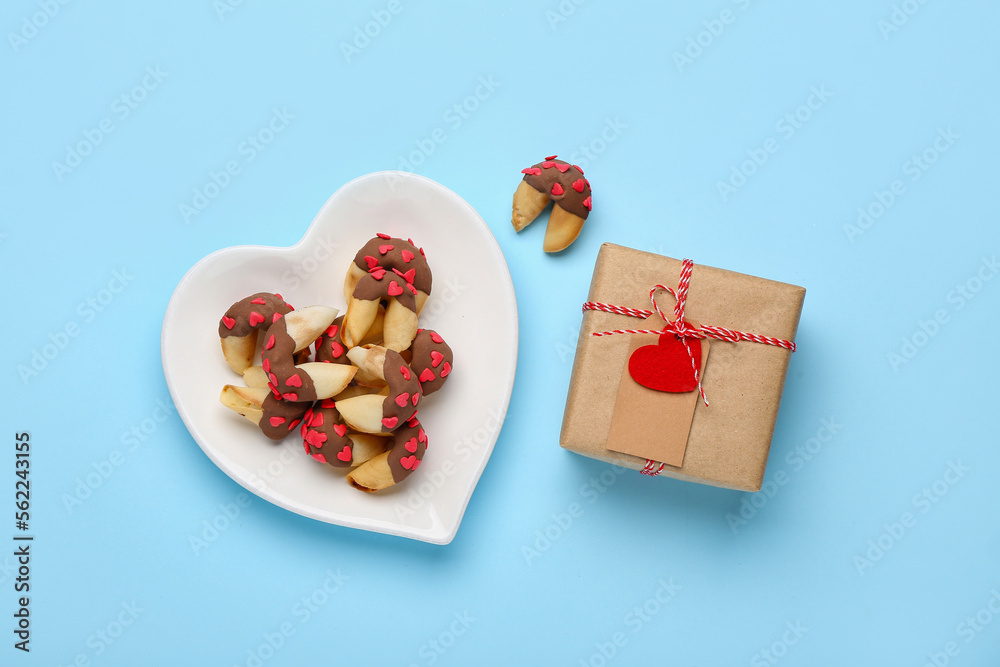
pixel 651 423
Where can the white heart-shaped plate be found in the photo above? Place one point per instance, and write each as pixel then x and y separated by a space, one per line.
pixel 472 306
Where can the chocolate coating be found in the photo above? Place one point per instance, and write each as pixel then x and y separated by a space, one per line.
pixel 409 445
pixel 279 364
pixel 321 438
pixel 404 392
pixel 280 417
pixel 330 346
pixel 382 284
pixel 573 191
pixel 262 313
pixel 432 360
pixel 399 254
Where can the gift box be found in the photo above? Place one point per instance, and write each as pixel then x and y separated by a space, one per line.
pixel 698 402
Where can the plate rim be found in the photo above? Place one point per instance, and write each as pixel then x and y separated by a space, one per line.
pixel 373 525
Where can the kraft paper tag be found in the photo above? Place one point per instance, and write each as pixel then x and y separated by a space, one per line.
pixel 653 424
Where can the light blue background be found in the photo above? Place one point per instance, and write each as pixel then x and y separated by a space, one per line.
pixel 557 86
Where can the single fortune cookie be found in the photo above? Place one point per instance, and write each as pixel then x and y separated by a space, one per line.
pixel 559 182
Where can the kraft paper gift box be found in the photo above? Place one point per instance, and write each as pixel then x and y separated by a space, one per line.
pixel 724 444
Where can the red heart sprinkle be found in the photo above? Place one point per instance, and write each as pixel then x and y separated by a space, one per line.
pixel 294 381
pixel 427 375
pixel 578 168
pixel 557 189
pixel 259 301
pixel 383 236
pixel 409 462
pixel 266 365
pixel 317 420
pixel 405 372
pixel 383 249
pixel 277 421
pixel 403 399
pixel 436 337
pixel 552 157
pixel 229 322
pixel 372 262
pixel 327 403
pixel 294 424
pixel 280 297
pixel 532 171
pixel 409 275
pixel 319 457
pixel 416 398
pixel 411 445
pixel 407 256
pixel 316 439
pixel 390 422
pixel 270 343
pixel 410 287
pixel 332 330
pixel 337 349
pixel 394 289
pixel 445 370
pixel 378 273
pixel 587 203
pixel 275 318
pixel 563 168
pixel 345 454
pixel 579 185
pixel 421 436
pixel 436 358
pixel 273 378
pixel 256 318
pixel 340 429
pixel 290 396
pixel 548 164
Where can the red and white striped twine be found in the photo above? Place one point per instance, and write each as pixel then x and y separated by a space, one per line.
pixel 682 329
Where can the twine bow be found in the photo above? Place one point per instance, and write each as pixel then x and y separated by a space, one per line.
pixel 682 329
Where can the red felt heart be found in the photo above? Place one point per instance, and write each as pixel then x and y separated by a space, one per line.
pixel 666 366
